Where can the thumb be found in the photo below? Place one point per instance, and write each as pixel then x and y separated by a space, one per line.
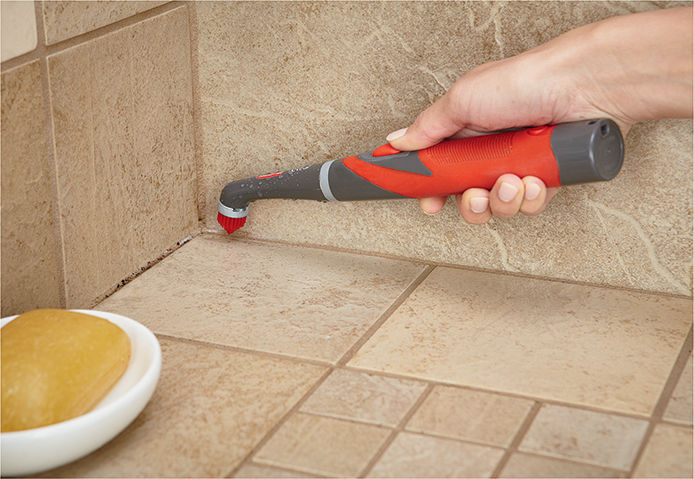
pixel 436 123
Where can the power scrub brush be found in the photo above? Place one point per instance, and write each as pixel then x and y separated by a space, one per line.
pixel 564 154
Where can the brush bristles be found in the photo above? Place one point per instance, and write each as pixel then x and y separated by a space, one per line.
pixel 230 224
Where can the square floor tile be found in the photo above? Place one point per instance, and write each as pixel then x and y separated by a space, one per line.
pixel 607 348
pixel 679 408
pixel 473 415
pixel 585 436
pixel 322 445
pixel 298 301
pixel 414 455
pixel 668 453
pixel 528 465
pixel 364 397
pixel 210 408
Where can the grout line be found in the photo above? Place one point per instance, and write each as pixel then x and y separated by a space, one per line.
pixel 251 239
pixel 43 50
pixel 149 264
pixel 517 439
pixel 197 112
pixel 350 352
pixel 51 157
pixel 281 422
pixel 554 402
pixel 400 426
pixel 620 472
pixel 285 469
pixel 238 349
pixel 384 317
pixel 433 382
pixel 664 398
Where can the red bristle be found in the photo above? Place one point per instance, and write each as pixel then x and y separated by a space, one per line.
pixel 230 224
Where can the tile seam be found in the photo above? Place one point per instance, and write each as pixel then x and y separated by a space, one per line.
pixel 52 164
pixel 197 115
pixel 282 468
pixel 556 402
pixel 399 300
pixel 43 50
pixel 238 349
pixel 517 438
pixel 621 472
pixel 395 431
pixel 664 399
pixel 316 362
pixel 243 237
pixel 271 432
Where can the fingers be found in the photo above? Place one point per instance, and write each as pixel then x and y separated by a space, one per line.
pixel 439 121
pixel 509 196
pixel 506 196
pixel 431 206
pixel 474 206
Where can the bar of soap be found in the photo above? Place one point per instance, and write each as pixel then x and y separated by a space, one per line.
pixel 57 365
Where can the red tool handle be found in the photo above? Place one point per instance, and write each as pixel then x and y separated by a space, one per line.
pixel 568 153
pixel 457 165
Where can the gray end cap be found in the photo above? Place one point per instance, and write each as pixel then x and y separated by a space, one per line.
pixel 588 151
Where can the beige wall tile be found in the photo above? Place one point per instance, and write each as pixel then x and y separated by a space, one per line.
pixel 534 337
pixel 210 408
pixel 262 471
pixel 18 31
pixel 336 78
pixel 527 465
pixel 412 455
pixel 668 453
pixel 364 397
pixel 679 408
pixel 282 299
pixel 322 445
pixel 473 415
pixel 586 436
pixel 122 119
pixel 66 19
pixel 30 276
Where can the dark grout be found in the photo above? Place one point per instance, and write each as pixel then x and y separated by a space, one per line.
pixel 252 239
pixel 400 427
pixel 517 439
pixel 619 472
pixel 197 115
pixel 664 399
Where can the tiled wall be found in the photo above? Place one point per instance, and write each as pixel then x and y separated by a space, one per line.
pixel 99 171
pixel 98 175
pixel 284 85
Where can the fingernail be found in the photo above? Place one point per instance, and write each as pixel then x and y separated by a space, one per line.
pixel 532 191
pixel 396 134
pixel 479 205
pixel 507 192
pixel 427 207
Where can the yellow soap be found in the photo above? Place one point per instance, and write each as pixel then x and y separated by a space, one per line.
pixel 57 365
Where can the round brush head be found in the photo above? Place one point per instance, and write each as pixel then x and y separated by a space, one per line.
pixel 230 224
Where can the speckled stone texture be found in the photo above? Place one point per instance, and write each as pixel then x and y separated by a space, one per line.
pixel 122 120
pixel 66 19
pixel 284 85
pixel 30 277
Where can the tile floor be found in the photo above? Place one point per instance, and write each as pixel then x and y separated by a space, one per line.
pixel 286 361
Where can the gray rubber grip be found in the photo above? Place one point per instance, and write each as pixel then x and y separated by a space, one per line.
pixel 301 183
pixel 587 151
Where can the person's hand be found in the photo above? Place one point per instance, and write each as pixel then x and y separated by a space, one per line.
pixel 628 69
